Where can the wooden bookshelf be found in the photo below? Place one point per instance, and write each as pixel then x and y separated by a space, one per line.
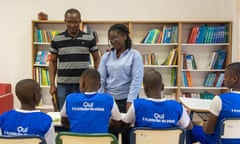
pixel 161 50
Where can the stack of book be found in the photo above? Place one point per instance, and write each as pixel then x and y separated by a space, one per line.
pixel 167 34
pixel 208 34
pixel 217 59
pixel 214 79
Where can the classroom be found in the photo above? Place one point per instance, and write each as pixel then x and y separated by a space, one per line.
pixel 188 66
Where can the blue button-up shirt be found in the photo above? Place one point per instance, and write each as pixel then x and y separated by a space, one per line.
pixel 121 77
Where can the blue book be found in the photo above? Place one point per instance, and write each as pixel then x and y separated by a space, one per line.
pixel 220 80
pixel 184 79
pixel 206 79
pixel 221 56
pixel 201 35
pixel 150 36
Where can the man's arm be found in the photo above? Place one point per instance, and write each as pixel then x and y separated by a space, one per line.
pixel 96 58
pixel 52 73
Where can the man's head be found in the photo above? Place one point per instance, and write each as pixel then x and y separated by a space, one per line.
pixel 90 81
pixel 72 20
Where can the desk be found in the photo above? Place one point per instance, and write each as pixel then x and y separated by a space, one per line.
pixel 196 104
pixel 199 106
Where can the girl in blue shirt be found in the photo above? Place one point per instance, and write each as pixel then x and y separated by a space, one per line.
pixel 121 68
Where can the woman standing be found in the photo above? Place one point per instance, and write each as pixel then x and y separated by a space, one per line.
pixel 121 68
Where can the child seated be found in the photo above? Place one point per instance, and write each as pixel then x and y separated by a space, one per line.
pixel 27 120
pixel 154 111
pixel 89 111
pixel 224 105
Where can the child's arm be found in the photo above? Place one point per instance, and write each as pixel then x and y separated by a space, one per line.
pixel 209 125
pixel 215 108
pixel 64 118
pixel 65 122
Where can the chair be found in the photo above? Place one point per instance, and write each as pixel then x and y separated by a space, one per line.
pixel 22 140
pixel 144 135
pixel 230 130
pixel 80 138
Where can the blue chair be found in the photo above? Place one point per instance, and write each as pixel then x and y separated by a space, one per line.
pixel 80 138
pixel 29 139
pixel 230 130
pixel 144 135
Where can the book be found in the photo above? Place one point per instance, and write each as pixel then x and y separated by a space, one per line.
pixel 212 60
pixel 184 61
pixel 150 36
pixel 144 38
pixel 173 77
pixel 220 80
pixel 184 79
pixel 189 78
pixel 216 79
pixel 201 34
pixel 206 80
pixel 189 61
pixel 221 56
pixel 38 57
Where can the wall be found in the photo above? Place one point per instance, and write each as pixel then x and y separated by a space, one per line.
pixel 16 16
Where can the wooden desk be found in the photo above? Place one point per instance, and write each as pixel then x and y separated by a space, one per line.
pixel 196 104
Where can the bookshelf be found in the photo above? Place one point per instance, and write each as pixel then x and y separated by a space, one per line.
pixel 217 37
pixel 165 55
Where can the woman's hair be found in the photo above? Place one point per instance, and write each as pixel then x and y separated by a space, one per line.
pixel 122 29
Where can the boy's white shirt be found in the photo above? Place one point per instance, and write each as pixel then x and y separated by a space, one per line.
pixel 49 136
pixel 130 115
pixel 216 105
pixel 115 114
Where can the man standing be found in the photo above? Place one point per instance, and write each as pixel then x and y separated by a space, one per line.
pixel 70 57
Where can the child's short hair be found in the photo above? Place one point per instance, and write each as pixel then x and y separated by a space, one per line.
pixel 91 79
pixel 152 79
pixel 26 89
pixel 234 68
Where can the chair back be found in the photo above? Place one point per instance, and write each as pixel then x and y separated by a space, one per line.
pixel 230 129
pixel 22 140
pixel 80 138
pixel 143 135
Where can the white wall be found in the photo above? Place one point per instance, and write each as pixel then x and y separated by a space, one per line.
pixel 16 16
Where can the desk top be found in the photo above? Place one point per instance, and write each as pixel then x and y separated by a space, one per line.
pixel 196 104
pixel 56 117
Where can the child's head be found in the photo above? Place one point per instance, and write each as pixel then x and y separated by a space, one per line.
pixel 28 92
pixel 152 82
pixel 90 81
pixel 232 76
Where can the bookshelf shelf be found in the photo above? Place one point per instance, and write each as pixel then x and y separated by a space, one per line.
pixel 41 43
pixel 203 70
pixel 160 66
pixel 204 88
pixel 204 45
pixel 40 65
pixel 165 50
